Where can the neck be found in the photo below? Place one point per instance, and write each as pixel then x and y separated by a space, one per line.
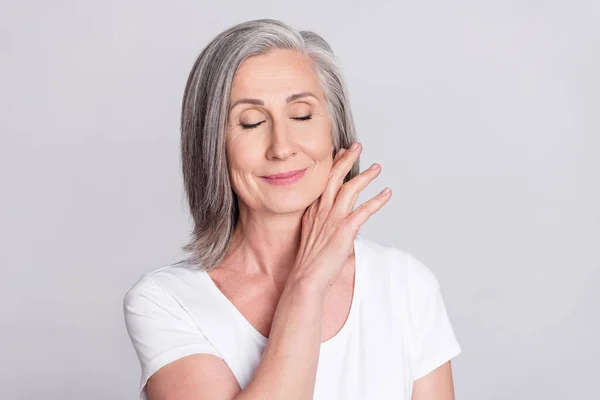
pixel 264 244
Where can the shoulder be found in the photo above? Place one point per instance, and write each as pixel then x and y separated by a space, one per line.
pixel 161 285
pixel 398 265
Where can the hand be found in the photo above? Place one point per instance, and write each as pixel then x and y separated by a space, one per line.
pixel 329 225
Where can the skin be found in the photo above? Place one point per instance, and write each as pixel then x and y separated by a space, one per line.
pixel 280 270
pixel 267 236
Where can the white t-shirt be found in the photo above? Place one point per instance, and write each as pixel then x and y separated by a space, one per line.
pixel 397 330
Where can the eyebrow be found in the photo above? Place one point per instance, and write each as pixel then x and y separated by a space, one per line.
pixel 259 102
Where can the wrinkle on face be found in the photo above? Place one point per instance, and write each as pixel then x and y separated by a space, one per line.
pixel 280 143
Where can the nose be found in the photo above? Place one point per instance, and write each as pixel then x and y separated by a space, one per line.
pixel 281 143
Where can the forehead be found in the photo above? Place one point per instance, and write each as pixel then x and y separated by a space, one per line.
pixel 276 73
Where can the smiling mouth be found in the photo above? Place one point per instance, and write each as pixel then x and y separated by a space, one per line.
pixel 283 174
pixel 285 178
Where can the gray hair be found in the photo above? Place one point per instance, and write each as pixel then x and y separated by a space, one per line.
pixel 205 107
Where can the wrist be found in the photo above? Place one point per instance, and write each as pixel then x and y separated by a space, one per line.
pixel 304 284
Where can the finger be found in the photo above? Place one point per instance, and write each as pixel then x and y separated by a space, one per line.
pixel 359 216
pixel 338 155
pixel 349 191
pixel 336 177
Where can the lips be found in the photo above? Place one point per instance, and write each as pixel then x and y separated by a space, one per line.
pixel 284 175
pixel 285 178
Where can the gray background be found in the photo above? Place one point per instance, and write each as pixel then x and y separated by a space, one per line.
pixel 484 116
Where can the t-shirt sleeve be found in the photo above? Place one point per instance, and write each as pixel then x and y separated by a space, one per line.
pixel 159 328
pixel 433 339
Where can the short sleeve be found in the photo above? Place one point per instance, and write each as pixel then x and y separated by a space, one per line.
pixel 160 330
pixel 433 339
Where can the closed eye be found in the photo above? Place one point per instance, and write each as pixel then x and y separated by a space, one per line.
pixel 252 126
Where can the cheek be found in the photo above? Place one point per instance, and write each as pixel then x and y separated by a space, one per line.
pixel 241 163
pixel 240 156
pixel 323 164
pixel 319 146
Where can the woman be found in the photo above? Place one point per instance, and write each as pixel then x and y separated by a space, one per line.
pixel 280 297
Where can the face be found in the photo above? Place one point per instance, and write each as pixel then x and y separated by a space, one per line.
pixel 281 128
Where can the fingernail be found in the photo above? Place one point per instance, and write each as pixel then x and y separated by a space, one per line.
pixel 341 151
pixel 385 191
pixel 374 166
pixel 354 146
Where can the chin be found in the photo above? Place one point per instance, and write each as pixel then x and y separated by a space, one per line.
pixel 290 203
pixel 294 198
